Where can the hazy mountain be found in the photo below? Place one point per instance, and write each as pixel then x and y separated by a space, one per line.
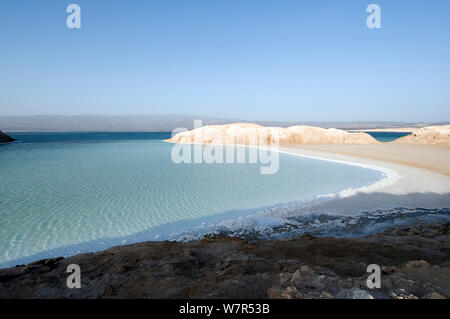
pixel 153 123
pixel 88 123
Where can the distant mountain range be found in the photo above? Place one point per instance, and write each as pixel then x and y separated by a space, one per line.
pixel 158 123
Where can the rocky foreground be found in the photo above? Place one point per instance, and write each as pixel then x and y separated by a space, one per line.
pixel 415 263
pixel 5 138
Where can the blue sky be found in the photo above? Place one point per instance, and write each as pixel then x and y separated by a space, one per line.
pixel 297 60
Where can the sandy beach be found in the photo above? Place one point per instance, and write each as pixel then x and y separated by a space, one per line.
pixel 416 168
pixel 418 176
pixel 430 157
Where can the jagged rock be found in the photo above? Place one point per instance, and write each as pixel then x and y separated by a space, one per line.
pixel 291 293
pixel 402 294
pixel 288 293
pixel 413 231
pixel 226 267
pixel 326 295
pixel 5 138
pixel 307 237
pixel 416 264
pixel 354 293
pixel 434 295
pixel 304 269
pixel 274 293
pixel 285 278
pixel 388 269
pixel 296 276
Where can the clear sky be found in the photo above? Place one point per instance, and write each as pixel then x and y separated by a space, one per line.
pixel 296 60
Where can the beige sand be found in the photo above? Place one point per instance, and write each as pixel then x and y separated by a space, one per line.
pixel 418 176
pixel 430 157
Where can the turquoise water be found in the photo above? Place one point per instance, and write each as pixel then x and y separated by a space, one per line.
pixel 65 193
pixel 387 136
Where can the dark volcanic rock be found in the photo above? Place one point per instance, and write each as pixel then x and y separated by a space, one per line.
pixel 5 138
pixel 414 265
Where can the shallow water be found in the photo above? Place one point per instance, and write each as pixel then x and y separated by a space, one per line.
pixel 64 193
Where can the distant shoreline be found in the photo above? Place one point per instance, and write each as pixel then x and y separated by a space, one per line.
pixel 393 129
pixel 168 122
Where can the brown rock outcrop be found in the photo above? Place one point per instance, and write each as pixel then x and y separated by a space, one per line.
pixel 5 138
pixel 413 266
pixel 253 134
pixel 438 135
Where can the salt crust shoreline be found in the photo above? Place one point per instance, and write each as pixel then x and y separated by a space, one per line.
pixel 404 186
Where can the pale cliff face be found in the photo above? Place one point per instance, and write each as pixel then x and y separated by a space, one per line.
pixel 253 134
pixel 438 135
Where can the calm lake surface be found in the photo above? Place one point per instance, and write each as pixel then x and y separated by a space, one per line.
pixel 387 136
pixel 64 193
